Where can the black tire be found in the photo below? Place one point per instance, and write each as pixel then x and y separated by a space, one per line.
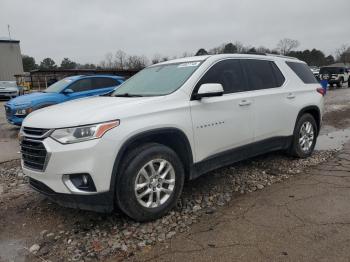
pixel 296 149
pixel 349 82
pixel 340 83
pixel 134 161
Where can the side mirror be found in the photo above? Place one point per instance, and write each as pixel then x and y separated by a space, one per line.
pixel 209 90
pixel 67 91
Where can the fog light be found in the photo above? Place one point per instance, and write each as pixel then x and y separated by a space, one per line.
pixel 79 183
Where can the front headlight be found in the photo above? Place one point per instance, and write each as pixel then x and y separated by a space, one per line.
pixel 23 112
pixel 83 133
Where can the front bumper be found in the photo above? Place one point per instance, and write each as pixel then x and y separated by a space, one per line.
pixel 102 202
pixel 8 94
pixel 94 157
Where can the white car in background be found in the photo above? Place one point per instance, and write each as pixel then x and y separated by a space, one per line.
pixel 9 89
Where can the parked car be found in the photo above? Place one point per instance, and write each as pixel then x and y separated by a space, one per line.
pixel 69 88
pixel 9 89
pixel 168 124
pixel 335 75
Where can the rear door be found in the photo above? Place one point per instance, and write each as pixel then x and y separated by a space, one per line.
pixel 224 122
pixel 272 112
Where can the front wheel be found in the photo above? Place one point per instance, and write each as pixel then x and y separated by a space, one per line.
pixel 150 182
pixel 304 137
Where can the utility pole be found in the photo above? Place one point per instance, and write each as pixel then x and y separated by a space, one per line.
pixel 8 28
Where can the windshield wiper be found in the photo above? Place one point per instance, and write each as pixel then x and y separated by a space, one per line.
pixel 128 95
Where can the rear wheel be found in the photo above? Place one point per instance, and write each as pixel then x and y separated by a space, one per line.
pixel 304 137
pixel 150 183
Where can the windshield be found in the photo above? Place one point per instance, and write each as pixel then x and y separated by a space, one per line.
pixel 58 86
pixel 157 80
pixel 331 70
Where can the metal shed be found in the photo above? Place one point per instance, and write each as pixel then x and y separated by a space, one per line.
pixel 10 59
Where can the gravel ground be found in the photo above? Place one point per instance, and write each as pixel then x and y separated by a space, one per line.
pixel 87 236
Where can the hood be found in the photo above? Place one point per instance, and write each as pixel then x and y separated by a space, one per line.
pixel 33 98
pixel 89 111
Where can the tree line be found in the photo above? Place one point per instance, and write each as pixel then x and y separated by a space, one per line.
pixel 123 61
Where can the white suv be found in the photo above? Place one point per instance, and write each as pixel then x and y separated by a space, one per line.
pixel 170 123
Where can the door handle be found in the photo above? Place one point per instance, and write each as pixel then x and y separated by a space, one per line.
pixel 290 96
pixel 245 103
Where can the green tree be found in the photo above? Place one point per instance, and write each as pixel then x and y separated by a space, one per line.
pixel 229 49
pixel 28 63
pixel 68 64
pixel 201 51
pixel 48 63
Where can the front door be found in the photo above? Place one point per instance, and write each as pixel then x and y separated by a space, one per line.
pixel 224 122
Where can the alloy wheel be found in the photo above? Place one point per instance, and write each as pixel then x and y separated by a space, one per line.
pixel 306 136
pixel 155 183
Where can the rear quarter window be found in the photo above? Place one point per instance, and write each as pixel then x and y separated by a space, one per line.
pixel 303 72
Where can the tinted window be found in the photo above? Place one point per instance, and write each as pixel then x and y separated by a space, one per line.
pixel 104 82
pixel 278 75
pixel 228 73
pixel 81 85
pixel 263 74
pixel 303 72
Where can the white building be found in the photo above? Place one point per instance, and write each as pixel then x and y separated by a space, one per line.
pixel 10 59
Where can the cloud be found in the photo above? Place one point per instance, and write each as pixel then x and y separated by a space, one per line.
pixel 85 30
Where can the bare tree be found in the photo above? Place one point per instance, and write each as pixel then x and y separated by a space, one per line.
pixel 240 47
pixel 108 61
pixel 286 45
pixel 186 54
pixel 135 62
pixel 263 49
pixel 343 54
pixel 120 58
pixel 156 58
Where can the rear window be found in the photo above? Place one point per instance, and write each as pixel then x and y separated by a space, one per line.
pixel 303 72
pixel 263 74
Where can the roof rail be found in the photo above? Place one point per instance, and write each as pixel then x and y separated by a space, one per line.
pixel 282 56
pixel 254 53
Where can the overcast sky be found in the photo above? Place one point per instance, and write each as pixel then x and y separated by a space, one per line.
pixel 85 30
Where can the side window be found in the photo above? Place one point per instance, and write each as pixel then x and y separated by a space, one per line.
pixel 229 73
pixel 303 72
pixel 278 75
pixel 263 74
pixel 81 85
pixel 103 82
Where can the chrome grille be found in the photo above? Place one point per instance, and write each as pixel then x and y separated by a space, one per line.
pixel 34 154
pixel 37 132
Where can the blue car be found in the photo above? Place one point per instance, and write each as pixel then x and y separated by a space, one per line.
pixel 67 89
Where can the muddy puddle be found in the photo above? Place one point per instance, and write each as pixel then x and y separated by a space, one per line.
pixel 331 138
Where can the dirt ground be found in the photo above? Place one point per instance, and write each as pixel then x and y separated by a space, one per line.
pixel 270 208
